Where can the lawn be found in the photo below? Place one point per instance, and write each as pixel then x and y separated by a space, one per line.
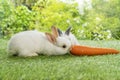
pixel 66 67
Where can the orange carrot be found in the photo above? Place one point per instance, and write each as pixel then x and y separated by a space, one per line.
pixel 90 51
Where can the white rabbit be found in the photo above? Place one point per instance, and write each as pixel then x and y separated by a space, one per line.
pixel 32 43
pixel 67 34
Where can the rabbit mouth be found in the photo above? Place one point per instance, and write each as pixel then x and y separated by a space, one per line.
pixel 70 48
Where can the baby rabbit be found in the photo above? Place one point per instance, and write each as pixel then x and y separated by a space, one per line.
pixel 68 35
pixel 32 43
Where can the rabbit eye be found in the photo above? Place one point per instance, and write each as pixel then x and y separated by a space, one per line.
pixel 64 46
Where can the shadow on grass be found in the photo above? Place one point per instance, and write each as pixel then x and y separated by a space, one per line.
pixel 44 57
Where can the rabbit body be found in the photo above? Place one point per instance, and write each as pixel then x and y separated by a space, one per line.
pixel 32 43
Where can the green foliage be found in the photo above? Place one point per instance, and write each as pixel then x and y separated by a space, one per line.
pixel 99 23
pixel 23 19
pixel 57 13
pixel 110 10
pixel 5 16
pixel 18 19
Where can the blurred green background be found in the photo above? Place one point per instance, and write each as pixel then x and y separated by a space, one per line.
pixel 90 19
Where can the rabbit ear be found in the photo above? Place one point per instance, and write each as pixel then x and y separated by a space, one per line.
pixel 67 32
pixel 59 32
pixel 54 31
pixel 50 37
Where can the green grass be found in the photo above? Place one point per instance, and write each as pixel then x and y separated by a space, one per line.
pixel 66 67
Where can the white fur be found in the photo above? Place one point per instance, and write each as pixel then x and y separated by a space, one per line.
pixel 71 38
pixel 68 35
pixel 32 43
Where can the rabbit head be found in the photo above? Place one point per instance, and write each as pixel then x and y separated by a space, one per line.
pixel 58 40
pixel 68 35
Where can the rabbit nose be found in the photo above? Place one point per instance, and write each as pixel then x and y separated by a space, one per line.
pixel 71 47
